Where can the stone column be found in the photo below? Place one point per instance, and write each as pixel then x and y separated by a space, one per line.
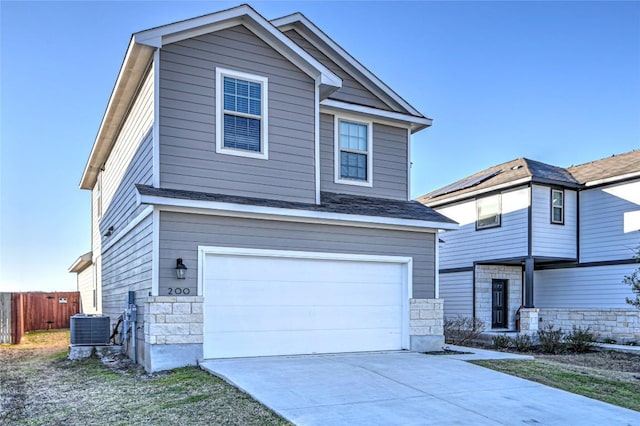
pixel 426 324
pixel 529 320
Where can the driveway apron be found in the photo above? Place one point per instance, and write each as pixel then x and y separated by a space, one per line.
pixel 406 388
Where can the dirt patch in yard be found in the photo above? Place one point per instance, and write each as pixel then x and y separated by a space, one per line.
pixel 40 386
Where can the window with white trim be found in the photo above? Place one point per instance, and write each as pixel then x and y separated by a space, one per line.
pixel 353 152
pixel 557 206
pixel 489 212
pixel 241 118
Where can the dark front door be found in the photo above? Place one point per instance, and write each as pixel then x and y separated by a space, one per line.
pixel 499 304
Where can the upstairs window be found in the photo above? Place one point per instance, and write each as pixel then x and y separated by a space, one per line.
pixel 557 206
pixel 241 118
pixel 353 152
pixel 488 212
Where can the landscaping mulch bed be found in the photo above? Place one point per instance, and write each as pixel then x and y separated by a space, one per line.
pixel 40 386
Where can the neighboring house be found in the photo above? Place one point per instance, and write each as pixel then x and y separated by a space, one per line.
pixel 86 284
pixel 274 167
pixel 555 241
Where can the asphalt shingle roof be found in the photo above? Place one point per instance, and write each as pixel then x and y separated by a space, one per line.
pixel 536 171
pixel 330 203
pixel 616 165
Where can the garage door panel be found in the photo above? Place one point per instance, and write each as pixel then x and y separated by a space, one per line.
pixel 268 343
pixel 259 269
pixel 254 293
pixel 228 319
pixel 269 305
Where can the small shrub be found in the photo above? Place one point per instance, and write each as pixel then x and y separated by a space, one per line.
pixel 580 340
pixel 522 343
pixel 501 341
pixel 550 339
pixel 462 330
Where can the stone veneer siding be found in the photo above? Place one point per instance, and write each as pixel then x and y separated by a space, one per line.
pixel 173 320
pixel 623 325
pixel 485 274
pixel 426 324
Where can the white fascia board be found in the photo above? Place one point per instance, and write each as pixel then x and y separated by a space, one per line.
pixel 290 215
pixel 81 263
pixel 130 77
pixel 241 15
pixel 286 22
pixel 385 117
pixel 478 192
pixel 612 179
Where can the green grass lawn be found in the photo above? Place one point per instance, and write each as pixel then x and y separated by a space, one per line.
pixel 623 390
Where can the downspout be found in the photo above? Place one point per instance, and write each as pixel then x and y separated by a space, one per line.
pixel 316 144
pixel 529 262
pixel 577 225
pixel 437 265
pixel 473 292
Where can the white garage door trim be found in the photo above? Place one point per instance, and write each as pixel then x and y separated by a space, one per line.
pixel 406 262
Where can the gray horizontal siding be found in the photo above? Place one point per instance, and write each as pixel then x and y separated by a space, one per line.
pixel 123 206
pixel 464 246
pixel 602 222
pixel 85 287
pixel 590 287
pixel 187 120
pixel 181 234
pixel 551 239
pixel 351 91
pixel 127 266
pixel 456 289
pixel 390 150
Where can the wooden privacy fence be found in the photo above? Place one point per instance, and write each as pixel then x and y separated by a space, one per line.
pixel 22 312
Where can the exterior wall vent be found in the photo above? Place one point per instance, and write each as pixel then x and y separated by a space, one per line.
pixel 89 330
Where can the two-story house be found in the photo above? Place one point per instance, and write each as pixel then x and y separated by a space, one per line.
pixel 250 186
pixel 540 244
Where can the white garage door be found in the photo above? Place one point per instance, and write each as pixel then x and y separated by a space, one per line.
pixel 261 303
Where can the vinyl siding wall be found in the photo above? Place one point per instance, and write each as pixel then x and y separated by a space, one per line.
pixel 603 212
pixel 85 287
pixel 390 150
pixel 351 91
pixel 549 239
pixel 466 245
pixel 127 266
pixel 130 161
pixel 188 159
pixel 587 287
pixel 181 234
pixel 457 291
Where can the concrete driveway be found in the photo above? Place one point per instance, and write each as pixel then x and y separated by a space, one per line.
pixel 405 388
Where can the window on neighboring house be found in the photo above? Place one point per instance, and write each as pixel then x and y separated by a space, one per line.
pixel 241 118
pixel 557 206
pixel 488 212
pixel 353 152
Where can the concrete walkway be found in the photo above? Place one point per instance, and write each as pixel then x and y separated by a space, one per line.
pixel 406 388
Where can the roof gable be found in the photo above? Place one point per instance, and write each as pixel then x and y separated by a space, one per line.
pixel 341 57
pixel 140 53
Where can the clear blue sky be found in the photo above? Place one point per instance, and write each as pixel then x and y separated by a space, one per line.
pixel 554 82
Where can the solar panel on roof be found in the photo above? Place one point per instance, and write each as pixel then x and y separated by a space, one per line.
pixel 464 184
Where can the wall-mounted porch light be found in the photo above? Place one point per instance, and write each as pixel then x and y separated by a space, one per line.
pixel 181 270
